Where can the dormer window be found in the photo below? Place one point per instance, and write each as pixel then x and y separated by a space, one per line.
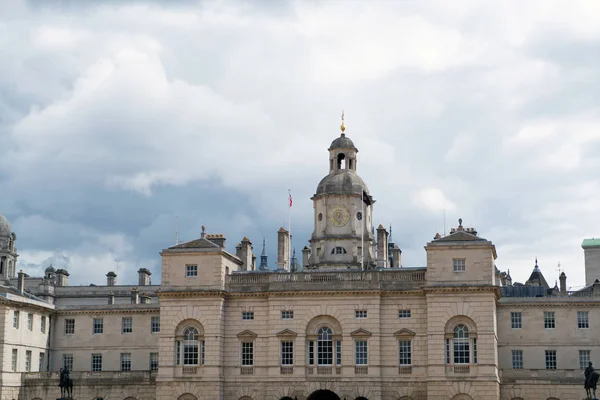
pixel 338 250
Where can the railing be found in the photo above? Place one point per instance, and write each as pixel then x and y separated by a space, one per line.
pixel 189 370
pixel 324 370
pixel 124 376
pixel 405 370
pixel 458 369
pixel 361 370
pixel 246 370
pixel 575 375
pixel 263 278
pixel 286 370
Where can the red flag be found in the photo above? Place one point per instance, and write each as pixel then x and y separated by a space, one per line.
pixel 290 193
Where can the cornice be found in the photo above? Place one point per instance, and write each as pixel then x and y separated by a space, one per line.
pixel 108 311
pixel 565 304
pixel 463 289
pixel 20 305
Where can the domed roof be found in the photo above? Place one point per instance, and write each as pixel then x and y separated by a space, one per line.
pixel 342 142
pixel 343 182
pixel 50 269
pixel 4 226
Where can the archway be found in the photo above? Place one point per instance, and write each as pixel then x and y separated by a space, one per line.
pixel 187 396
pixel 286 398
pixel 323 395
pixel 361 398
pixel 462 396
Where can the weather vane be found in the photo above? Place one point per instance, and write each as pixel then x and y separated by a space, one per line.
pixel 343 127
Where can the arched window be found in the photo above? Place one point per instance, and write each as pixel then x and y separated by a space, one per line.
pixel 324 346
pixel 190 346
pixel 338 250
pixel 461 345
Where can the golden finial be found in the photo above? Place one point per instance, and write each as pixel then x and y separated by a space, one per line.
pixel 343 127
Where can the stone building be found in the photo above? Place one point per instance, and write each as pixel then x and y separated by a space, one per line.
pixel 347 322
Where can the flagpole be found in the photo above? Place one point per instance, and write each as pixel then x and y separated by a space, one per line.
pixel 289 230
pixel 362 239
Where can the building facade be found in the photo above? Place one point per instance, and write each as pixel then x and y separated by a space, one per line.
pixel 347 322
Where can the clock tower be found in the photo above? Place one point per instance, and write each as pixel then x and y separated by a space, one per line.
pixel 343 234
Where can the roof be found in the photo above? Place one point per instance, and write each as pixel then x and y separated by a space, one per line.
pixel 342 142
pixel 343 181
pixel 460 236
pixel 196 244
pixel 590 242
pixel 4 226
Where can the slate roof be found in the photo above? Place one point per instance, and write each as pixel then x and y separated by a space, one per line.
pixel 200 243
pixel 460 236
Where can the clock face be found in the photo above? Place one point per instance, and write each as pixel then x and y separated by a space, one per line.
pixel 338 216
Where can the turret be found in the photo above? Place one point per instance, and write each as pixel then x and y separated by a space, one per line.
pixel 283 250
pixel 8 250
pixel 264 265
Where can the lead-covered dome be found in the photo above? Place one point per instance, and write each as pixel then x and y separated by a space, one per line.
pixel 4 226
pixel 342 142
pixel 342 182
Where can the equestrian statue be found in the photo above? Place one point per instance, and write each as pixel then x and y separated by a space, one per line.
pixel 66 384
pixel 591 379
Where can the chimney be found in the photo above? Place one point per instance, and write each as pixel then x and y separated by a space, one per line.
pixel 111 298
pixel 21 281
pixel 563 283
pixel 218 239
pixel 305 256
pixel 144 277
pixel 62 277
pixel 591 254
pixel 111 278
pixel 246 255
pixel 283 250
pixel 203 234
pixel 135 296
pixel 382 247
pixel 396 257
pixel 238 251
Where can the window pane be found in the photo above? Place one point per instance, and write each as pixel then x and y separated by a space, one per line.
pixel 550 359
pixel 405 352
pixel 517 359
pixel 247 353
pixel 287 353
pixel 361 355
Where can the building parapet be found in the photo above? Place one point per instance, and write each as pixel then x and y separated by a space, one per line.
pixel 551 375
pixel 89 378
pixel 389 279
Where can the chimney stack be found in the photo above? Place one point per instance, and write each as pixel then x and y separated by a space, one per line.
pixel 111 298
pixel 62 277
pixel 283 250
pixel 144 277
pixel 135 296
pixel 111 278
pixel 21 281
pixel 382 247
pixel 563 283
pixel 144 299
pixel 246 253
pixel 218 239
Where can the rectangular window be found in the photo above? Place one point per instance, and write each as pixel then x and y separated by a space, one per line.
pixel 155 325
pixel 550 359
pixel 69 326
pixel 360 314
pixel 28 360
pixel 405 352
pixel 361 352
pixel 68 361
pixel 447 351
pixel 462 351
pixel 248 353
pixel 43 325
pixel 287 353
pixel 190 350
pixel 474 351
pixel 583 320
pixel 247 315
pixel 96 362
pixel 549 321
pixel 338 352
pixel 584 358
pixel 125 361
pixel 459 265
pixel 403 313
pixel 41 367
pixel 30 322
pixel 517 359
pixel 98 326
pixel 191 271
pixel 178 352
pixel 287 314
pixel 15 359
pixel 202 346
pixel 516 320
pixel 153 361
pixel 127 325
pixel 16 317
pixel 311 353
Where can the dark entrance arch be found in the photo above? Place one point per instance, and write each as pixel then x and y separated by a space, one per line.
pixel 287 398
pixel 361 398
pixel 323 395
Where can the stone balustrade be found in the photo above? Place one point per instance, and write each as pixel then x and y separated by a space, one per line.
pixel 275 281
pixel 90 378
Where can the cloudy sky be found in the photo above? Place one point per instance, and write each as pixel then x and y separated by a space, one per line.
pixel 116 117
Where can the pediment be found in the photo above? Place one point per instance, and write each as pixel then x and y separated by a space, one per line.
pixel 286 333
pixel 404 333
pixel 360 332
pixel 247 334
